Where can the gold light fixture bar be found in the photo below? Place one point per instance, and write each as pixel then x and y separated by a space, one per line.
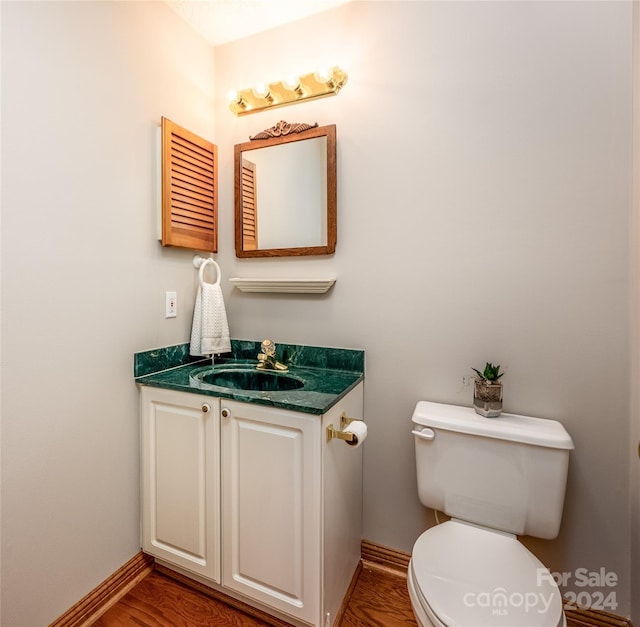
pixel 289 91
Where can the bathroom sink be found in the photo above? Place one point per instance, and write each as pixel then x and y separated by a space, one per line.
pixel 251 379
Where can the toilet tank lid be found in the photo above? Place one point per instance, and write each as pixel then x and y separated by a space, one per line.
pixel 512 427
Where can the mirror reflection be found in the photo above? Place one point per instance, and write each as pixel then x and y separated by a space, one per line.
pixel 285 192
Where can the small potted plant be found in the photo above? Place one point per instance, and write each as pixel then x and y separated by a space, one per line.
pixel 487 397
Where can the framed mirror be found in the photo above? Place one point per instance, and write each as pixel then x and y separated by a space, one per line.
pixel 285 192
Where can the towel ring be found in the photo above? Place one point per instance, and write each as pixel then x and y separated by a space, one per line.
pixel 203 263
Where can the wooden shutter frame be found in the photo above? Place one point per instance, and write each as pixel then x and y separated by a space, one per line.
pixel 189 189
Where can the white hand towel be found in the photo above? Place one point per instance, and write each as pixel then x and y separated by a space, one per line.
pixel 210 329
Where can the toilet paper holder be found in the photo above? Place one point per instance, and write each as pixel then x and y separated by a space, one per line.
pixel 349 438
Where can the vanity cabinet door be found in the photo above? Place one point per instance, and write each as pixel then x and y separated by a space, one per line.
pixel 271 503
pixel 180 436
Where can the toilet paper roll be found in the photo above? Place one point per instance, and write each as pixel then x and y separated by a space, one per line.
pixel 359 429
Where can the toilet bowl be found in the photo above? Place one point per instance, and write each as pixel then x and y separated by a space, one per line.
pixel 464 576
pixel 497 478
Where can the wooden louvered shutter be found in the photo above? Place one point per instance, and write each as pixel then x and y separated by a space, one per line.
pixel 189 189
pixel 249 206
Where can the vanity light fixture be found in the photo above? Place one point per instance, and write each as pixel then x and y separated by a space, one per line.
pixel 324 75
pixel 237 100
pixel 292 83
pixel 262 92
pixel 325 82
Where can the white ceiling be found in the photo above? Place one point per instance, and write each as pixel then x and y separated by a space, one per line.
pixel 221 21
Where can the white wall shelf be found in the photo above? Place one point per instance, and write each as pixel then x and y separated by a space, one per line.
pixel 290 286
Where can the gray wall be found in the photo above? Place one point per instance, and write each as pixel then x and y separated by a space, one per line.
pixel 484 204
pixel 484 209
pixel 83 279
pixel 634 440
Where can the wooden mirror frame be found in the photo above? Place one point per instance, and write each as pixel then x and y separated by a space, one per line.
pixel 284 133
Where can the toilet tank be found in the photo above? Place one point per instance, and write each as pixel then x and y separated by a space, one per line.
pixel 507 473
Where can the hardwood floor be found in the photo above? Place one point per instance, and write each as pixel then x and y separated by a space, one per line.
pixel 159 601
pixel 379 599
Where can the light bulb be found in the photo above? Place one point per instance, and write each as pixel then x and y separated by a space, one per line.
pixel 235 98
pixel 292 83
pixel 324 75
pixel 261 91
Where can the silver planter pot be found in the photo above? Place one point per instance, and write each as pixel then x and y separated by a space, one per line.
pixel 487 398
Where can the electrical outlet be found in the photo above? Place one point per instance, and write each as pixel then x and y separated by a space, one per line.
pixel 171 304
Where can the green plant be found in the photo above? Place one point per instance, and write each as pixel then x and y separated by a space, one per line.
pixel 491 373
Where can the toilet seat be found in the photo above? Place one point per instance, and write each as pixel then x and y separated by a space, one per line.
pixel 463 575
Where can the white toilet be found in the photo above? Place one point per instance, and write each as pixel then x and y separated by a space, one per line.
pixel 496 478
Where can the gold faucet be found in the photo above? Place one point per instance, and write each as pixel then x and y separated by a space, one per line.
pixel 267 358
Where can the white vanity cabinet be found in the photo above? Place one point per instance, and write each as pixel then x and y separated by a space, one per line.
pixel 291 507
pixel 180 462
pixel 289 521
pixel 272 507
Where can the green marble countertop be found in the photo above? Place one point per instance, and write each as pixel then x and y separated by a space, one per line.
pixel 327 374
